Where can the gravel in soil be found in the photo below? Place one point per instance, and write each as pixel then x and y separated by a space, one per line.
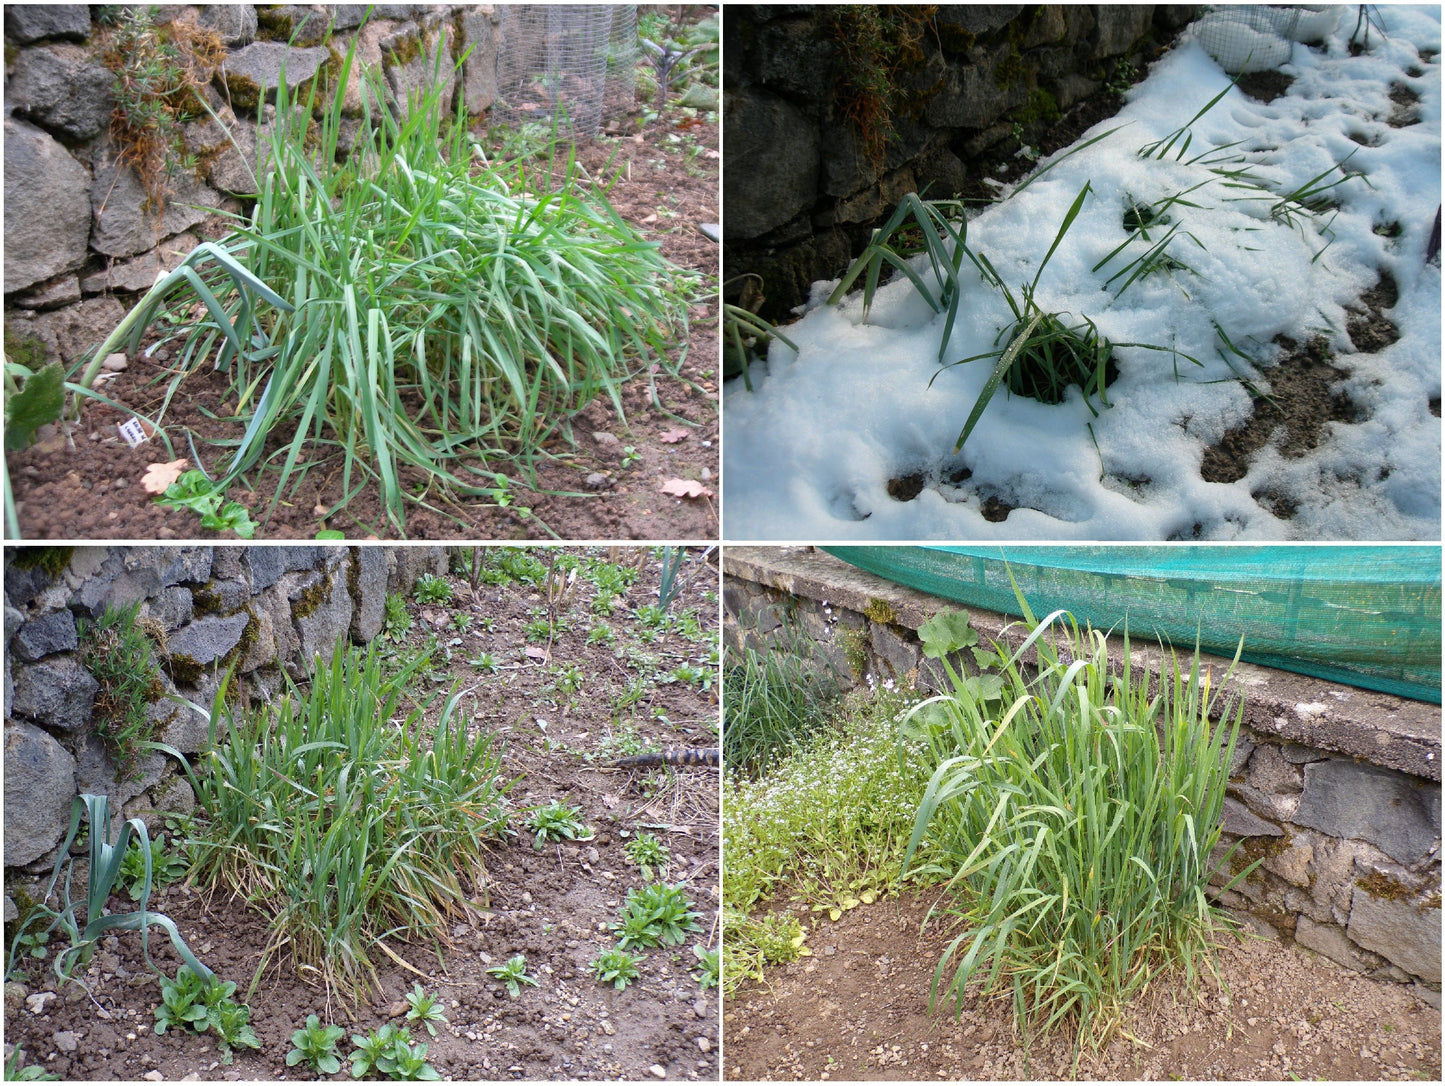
pixel 552 904
pixel 603 484
pixel 858 1009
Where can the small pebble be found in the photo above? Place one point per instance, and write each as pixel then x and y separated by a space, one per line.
pixel 704 1044
pixel 153 1076
pixel 699 1008
pixel 657 1071
pixel 114 363
pixel 602 437
pixel 66 1041
pixel 598 481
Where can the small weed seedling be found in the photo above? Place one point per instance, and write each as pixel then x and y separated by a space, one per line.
pixel 513 974
pixel 425 1008
pixel 569 679
pixel 558 822
pixel 194 491
pixel 205 1003
pixel 315 1045
pixel 693 675
pixel 708 965
pixel 166 867
pixel 16 1070
pixel 461 622
pixel 388 1050
pixel 601 634
pixel 656 915
pixel 616 967
pixel 397 619
pixel 651 616
pixel 647 852
pixel 485 661
pixel 432 589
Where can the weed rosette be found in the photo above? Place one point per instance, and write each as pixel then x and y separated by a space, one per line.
pixel 1178 246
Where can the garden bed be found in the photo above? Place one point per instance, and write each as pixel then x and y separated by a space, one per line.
pixel 605 484
pixel 857 1009
pixel 565 708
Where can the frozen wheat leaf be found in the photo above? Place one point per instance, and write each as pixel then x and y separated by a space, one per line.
pixel 686 488
pixel 672 437
pixel 160 476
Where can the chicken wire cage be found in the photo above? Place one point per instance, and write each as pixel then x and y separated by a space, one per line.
pixel 572 66
pixel 1259 37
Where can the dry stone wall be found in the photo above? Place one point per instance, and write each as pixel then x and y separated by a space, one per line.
pixel 803 188
pixel 81 239
pixel 1336 792
pixel 260 610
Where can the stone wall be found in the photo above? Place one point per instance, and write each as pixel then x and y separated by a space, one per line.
pixel 80 238
pixel 803 188
pixel 260 609
pixel 1336 791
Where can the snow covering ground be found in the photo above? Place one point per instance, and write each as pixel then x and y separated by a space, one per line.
pixel 808 454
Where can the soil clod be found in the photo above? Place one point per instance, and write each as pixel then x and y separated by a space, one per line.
pixel 1301 401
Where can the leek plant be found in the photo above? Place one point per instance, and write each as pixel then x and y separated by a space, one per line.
pixel 107 863
pixel 1076 816
pixel 417 307
pixel 339 815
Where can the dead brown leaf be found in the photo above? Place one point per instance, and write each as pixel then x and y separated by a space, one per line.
pixel 686 488
pixel 160 476
pixel 672 437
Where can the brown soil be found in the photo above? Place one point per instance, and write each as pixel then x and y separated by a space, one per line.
pixel 1302 398
pixel 552 905
pixel 1264 86
pixel 857 1009
pixel 88 487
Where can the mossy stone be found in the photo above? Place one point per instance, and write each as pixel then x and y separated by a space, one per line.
pixel 881 611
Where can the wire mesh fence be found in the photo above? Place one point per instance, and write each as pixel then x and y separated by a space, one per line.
pixel 572 65
pixel 1259 37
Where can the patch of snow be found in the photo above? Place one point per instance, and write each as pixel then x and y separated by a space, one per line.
pixel 809 454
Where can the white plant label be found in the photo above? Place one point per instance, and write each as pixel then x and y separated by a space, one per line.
pixel 133 432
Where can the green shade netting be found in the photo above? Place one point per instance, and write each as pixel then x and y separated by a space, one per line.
pixel 1362 616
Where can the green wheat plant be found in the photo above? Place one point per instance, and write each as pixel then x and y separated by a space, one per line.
pixel 772 701
pixel 1040 354
pixel 1074 821
pixel 418 307
pixel 944 231
pixel 746 336
pixel 345 816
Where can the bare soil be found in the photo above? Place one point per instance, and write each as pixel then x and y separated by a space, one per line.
pixel 858 1009
pixel 552 904
pixel 603 483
